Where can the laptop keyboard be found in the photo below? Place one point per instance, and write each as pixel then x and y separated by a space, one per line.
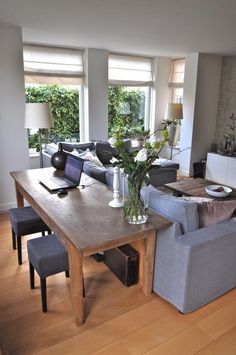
pixel 60 181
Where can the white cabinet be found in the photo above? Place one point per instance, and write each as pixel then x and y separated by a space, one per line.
pixel 221 169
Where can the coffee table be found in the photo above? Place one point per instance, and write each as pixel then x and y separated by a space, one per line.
pixel 194 187
pixel 86 224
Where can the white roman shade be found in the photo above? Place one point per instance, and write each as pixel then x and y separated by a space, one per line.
pixel 53 65
pixel 177 72
pixel 128 70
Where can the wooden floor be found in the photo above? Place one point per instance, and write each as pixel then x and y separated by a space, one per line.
pixel 120 320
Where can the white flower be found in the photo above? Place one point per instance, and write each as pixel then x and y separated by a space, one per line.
pixel 112 141
pixel 114 160
pixel 142 155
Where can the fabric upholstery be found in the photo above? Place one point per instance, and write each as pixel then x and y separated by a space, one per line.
pixel 194 269
pixel 215 211
pixel 161 176
pixel 105 152
pixel 96 172
pixel 47 255
pixel 179 210
pixel 26 221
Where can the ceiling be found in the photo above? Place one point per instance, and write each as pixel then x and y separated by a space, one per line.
pixel 150 27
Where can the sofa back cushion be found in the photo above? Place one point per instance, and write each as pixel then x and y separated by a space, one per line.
pixel 215 211
pixel 105 152
pixel 174 208
pixel 95 171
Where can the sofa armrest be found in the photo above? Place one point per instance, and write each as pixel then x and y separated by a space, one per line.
pixel 162 176
pixel 202 266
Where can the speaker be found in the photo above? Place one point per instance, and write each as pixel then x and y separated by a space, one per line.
pixel 124 263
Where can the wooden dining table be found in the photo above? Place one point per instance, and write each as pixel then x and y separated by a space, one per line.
pixel 86 224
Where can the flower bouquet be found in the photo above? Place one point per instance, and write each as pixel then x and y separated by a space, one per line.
pixel 136 166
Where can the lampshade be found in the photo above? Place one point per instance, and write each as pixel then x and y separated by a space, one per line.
pixel 38 115
pixel 174 112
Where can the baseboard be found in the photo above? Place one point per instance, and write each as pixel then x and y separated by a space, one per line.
pixel 6 206
pixel 184 172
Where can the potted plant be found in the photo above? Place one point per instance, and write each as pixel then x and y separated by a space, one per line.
pixel 138 135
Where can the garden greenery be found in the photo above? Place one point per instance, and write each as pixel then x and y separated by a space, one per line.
pixel 125 109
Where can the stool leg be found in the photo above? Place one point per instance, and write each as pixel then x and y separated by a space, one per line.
pixel 49 231
pixel 31 270
pixel 43 294
pixel 43 234
pixel 13 239
pixel 19 251
pixel 67 273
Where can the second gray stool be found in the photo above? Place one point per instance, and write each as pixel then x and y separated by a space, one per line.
pixel 48 257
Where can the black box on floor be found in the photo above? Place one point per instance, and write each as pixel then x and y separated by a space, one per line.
pixel 124 263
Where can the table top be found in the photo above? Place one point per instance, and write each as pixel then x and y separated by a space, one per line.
pixel 195 187
pixel 83 216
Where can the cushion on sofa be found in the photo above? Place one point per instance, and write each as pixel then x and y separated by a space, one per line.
pixel 105 152
pixel 87 155
pixel 215 211
pixel 84 146
pixel 179 210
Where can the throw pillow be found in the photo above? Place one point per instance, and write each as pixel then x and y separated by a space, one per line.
pixel 105 152
pixel 91 157
pixel 215 211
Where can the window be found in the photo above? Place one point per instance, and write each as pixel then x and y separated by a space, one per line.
pixel 55 75
pixel 176 84
pixel 176 80
pixel 130 78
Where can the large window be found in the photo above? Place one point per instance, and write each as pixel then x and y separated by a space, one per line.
pixel 55 75
pixel 130 78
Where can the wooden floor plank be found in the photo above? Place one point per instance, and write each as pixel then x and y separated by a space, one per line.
pixel 189 341
pixel 225 345
pixel 219 322
pixel 120 320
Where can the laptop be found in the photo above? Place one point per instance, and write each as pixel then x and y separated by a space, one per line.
pixel 71 177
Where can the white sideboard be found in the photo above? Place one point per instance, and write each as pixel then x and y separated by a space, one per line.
pixel 221 169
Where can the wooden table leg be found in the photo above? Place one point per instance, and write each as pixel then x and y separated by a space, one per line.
pixel 147 252
pixel 76 280
pixel 19 197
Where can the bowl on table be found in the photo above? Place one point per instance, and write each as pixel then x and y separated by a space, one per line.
pixel 218 190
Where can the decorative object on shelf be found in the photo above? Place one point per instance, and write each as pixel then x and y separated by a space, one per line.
pixel 39 116
pixel 58 159
pixel 173 116
pixel 136 165
pixel 116 202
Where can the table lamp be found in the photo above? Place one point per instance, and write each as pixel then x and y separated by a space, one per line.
pixel 38 116
pixel 174 113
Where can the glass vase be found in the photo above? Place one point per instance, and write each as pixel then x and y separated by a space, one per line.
pixel 135 208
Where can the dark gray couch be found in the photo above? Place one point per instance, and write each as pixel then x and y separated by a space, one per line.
pixel 159 175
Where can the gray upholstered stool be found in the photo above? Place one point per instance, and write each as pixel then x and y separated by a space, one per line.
pixel 48 257
pixel 25 221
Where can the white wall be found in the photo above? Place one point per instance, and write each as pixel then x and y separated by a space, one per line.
pixel 186 131
pixel 96 95
pixel 160 92
pixel 207 96
pixel 13 137
pixel 201 92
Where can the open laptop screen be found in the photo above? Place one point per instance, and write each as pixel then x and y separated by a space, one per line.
pixel 73 168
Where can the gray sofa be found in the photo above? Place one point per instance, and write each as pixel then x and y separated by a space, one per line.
pixel 193 265
pixel 159 175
